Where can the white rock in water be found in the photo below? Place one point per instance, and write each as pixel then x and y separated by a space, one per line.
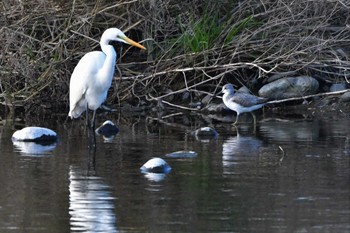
pixel 205 132
pixel 156 165
pixel 108 130
pixel 34 134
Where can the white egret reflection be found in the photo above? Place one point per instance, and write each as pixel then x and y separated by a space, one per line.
pixel 91 204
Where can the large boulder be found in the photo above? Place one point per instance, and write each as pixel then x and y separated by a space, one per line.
pixel 289 87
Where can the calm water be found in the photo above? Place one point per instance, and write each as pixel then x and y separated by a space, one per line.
pixel 240 182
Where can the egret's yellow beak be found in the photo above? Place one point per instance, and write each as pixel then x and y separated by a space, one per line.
pixel 133 43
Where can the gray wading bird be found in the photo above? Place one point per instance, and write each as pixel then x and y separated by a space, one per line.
pixel 241 102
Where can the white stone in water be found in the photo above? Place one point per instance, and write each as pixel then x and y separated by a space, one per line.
pixel 156 165
pixel 34 134
pixel 206 132
pixel 108 128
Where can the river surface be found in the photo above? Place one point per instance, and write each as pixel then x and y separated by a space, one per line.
pixel 284 175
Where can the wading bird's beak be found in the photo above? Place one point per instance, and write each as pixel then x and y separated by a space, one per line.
pixel 133 43
pixel 219 94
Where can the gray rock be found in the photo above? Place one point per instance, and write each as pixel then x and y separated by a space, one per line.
pixel 215 107
pixel 185 96
pixel 338 87
pixel 244 89
pixel 345 97
pixel 207 99
pixel 277 76
pixel 290 87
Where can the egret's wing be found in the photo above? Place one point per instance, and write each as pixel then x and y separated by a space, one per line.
pixel 82 77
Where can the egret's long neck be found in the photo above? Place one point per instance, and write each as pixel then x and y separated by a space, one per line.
pixel 107 71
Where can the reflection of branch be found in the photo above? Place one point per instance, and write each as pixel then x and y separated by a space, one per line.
pixel 175 125
pixel 170 104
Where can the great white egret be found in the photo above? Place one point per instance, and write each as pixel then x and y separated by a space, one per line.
pixel 93 76
pixel 241 102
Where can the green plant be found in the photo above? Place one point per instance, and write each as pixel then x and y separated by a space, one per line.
pixel 247 22
pixel 207 31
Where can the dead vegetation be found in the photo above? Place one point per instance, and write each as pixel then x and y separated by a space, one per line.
pixel 192 47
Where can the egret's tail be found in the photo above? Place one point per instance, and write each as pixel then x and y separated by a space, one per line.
pixel 75 113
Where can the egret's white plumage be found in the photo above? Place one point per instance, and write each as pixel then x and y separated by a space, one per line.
pixel 93 75
pixel 241 102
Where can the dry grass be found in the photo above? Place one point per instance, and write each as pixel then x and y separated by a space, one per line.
pixel 192 47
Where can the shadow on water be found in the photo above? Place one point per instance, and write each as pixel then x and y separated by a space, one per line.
pixel 240 181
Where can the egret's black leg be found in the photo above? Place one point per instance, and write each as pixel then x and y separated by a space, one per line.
pixel 92 131
pixel 92 139
pixel 93 121
pixel 92 161
pixel 90 126
pixel 87 117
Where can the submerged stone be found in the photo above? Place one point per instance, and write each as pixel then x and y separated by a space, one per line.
pixel 35 134
pixel 156 165
pixel 182 154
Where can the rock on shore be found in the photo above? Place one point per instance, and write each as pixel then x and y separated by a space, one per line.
pixel 289 87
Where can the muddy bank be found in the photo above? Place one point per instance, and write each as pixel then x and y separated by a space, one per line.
pixel 329 107
pixel 192 47
pixel 129 114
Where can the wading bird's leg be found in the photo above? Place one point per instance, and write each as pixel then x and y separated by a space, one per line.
pixel 234 123
pixel 91 130
pixel 93 120
pixel 93 134
pixel 90 127
pixel 92 139
pixel 87 117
